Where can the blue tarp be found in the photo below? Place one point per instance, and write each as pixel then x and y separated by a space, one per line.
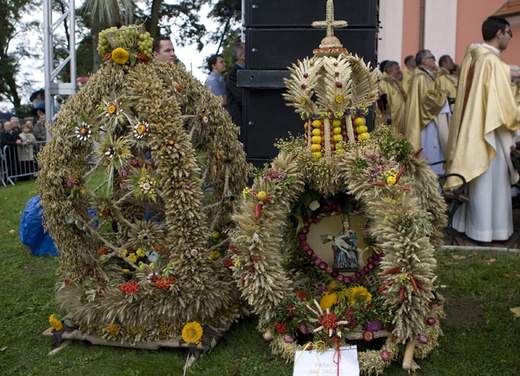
pixel 32 233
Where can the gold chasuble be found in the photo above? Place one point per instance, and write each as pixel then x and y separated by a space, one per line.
pixel 446 82
pixel 423 105
pixel 407 79
pixel 396 97
pixel 486 103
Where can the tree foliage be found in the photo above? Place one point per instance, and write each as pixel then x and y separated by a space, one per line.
pixel 12 26
pixel 183 20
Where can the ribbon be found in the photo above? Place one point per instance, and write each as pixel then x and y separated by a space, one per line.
pixel 337 354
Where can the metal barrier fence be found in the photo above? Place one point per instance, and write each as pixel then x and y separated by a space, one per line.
pixel 19 161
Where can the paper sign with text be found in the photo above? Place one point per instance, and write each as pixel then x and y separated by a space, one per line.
pixel 342 362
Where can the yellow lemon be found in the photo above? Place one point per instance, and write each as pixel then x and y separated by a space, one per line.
pixel 362 129
pixel 316 132
pixel 336 123
pixel 359 121
pixel 261 195
pixel 317 154
pixel 316 140
pixel 363 136
pixel 315 147
pixel 336 130
pixel 338 138
pixel 316 123
pixel 391 180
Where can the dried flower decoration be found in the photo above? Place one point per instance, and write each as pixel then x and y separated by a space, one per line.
pixel 83 131
pixel 141 129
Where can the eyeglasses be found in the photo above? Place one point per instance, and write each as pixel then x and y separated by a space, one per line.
pixel 430 57
pixel 509 32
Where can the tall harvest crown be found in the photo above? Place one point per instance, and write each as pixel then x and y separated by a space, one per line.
pixel 332 92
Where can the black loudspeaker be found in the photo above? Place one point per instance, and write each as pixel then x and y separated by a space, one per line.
pixel 271 49
pixel 267 120
pixel 302 13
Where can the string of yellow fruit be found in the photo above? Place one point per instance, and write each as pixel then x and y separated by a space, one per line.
pixel 319 131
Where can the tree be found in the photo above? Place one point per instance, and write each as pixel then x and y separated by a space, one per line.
pixel 182 20
pixel 11 13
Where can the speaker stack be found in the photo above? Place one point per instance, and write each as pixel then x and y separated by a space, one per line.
pixel 277 34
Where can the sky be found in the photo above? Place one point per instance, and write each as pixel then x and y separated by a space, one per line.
pixel 34 69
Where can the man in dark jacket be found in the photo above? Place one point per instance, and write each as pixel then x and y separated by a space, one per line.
pixel 234 93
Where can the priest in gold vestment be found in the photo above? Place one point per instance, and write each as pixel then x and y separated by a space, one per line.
pixel 481 135
pixel 427 112
pixel 390 84
pixel 445 79
pixel 408 72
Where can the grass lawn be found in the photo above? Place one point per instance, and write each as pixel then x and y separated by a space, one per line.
pixel 481 334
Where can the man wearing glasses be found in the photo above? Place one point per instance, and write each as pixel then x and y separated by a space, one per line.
pixel 427 112
pixel 481 136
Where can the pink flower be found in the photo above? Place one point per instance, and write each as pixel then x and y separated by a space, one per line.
pixel 368 336
pixel 385 355
pixel 422 339
pixel 288 339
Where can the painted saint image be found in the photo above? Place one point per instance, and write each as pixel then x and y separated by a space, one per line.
pixel 345 250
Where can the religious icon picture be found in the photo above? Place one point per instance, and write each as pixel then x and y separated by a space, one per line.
pixel 345 250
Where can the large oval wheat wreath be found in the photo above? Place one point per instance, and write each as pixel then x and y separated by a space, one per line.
pixel 137 184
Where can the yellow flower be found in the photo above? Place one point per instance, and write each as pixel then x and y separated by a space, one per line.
pixel 332 285
pixel 125 271
pixel 140 252
pixel 214 255
pixel 113 328
pixel 192 332
pixel 55 323
pixel 359 294
pixel 339 99
pixel 328 300
pixel 120 56
pixel 132 257
pixel 391 180
pixel 215 234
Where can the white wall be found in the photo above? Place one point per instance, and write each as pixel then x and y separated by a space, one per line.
pixel 440 27
pixel 391 32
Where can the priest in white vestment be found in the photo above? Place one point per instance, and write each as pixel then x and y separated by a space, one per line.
pixel 481 136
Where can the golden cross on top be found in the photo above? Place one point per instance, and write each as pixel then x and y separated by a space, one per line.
pixel 330 24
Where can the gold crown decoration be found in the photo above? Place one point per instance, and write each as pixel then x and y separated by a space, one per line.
pixel 330 91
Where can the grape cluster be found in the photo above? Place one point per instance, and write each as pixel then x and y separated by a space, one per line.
pixel 131 38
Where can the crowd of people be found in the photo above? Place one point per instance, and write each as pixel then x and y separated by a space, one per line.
pixel 19 142
pixel 465 119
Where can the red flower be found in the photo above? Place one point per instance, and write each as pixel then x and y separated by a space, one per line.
pixel 102 251
pixel 350 318
pixel 302 295
pixel 329 321
pixel 163 284
pixel 280 327
pixel 130 287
